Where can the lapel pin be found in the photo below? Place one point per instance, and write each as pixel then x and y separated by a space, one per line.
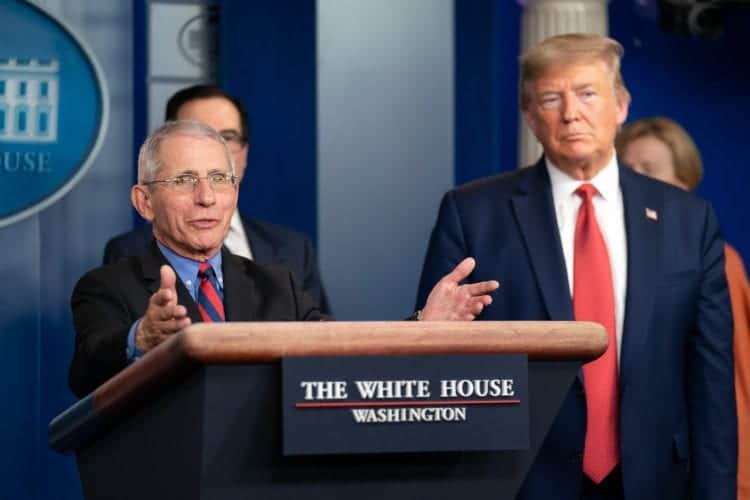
pixel 651 214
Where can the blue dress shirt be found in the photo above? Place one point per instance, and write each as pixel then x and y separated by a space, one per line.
pixel 187 271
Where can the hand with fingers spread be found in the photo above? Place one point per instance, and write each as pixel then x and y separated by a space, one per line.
pixel 449 300
pixel 164 316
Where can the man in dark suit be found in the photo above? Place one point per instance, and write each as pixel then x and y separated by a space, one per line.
pixel 188 190
pixel 577 236
pixel 249 237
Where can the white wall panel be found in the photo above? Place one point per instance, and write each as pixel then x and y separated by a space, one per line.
pixel 385 147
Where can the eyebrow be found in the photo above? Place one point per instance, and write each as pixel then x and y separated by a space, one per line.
pixel 185 172
pixel 576 88
pixel 225 170
pixel 584 86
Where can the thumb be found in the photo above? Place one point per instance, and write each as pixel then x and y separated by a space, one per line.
pixel 168 279
pixel 462 270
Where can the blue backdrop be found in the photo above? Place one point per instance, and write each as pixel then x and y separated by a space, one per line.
pixel 273 73
pixel 704 86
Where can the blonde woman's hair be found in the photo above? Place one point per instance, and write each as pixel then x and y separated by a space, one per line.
pixel 688 167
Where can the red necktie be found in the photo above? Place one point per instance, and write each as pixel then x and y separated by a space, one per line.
pixel 593 300
pixel 210 303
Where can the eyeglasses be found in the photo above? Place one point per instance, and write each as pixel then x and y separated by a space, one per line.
pixel 234 140
pixel 186 183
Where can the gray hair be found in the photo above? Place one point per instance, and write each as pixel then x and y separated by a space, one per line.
pixel 149 162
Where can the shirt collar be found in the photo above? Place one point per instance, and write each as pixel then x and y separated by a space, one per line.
pixel 606 182
pixel 187 269
pixel 235 223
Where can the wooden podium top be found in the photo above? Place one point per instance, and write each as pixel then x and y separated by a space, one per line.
pixel 263 342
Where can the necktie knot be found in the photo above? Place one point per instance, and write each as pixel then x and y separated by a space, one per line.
pixel 205 271
pixel 586 191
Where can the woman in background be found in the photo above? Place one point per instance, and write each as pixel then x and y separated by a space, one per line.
pixel 662 149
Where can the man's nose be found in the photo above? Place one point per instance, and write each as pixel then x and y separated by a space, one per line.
pixel 204 192
pixel 570 108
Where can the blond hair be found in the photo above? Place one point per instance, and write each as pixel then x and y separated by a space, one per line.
pixel 571 48
pixel 688 167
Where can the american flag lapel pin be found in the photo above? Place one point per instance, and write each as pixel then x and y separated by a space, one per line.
pixel 651 214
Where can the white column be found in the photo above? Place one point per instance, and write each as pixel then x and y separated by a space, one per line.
pixel 545 18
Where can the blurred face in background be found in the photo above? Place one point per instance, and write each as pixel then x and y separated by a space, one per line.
pixel 221 115
pixel 650 156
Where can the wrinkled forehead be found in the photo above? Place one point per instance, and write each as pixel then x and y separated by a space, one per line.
pixel 192 153
pixel 595 71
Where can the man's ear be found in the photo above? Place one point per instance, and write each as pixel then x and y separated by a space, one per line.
pixel 141 199
pixel 623 105
pixel 529 118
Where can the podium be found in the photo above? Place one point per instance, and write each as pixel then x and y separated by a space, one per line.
pixel 199 417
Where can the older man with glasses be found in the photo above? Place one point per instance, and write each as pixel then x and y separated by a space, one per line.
pixel 249 237
pixel 188 189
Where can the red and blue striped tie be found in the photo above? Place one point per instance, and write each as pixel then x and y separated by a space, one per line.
pixel 210 303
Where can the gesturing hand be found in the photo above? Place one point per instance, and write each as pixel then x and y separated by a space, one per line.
pixel 164 316
pixel 448 300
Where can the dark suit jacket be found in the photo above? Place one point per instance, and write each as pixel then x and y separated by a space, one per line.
pixel 108 300
pixel 677 407
pixel 270 244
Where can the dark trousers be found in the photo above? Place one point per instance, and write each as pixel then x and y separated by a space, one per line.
pixel 609 489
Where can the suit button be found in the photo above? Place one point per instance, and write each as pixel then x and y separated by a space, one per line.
pixel 577 458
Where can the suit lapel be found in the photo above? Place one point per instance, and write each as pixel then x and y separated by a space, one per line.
pixel 263 251
pixel 534 211
pixel 643 230
pixel 240 293
pixel 151 261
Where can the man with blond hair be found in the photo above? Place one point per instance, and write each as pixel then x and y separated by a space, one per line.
pixel 578 237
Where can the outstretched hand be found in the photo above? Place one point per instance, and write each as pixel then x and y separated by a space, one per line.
pixel 449 300
pixel 164 316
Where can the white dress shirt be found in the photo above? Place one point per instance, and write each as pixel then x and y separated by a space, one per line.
pixel 611 219
pixel 236 240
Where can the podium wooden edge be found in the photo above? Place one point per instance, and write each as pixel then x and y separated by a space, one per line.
pixel 264 342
